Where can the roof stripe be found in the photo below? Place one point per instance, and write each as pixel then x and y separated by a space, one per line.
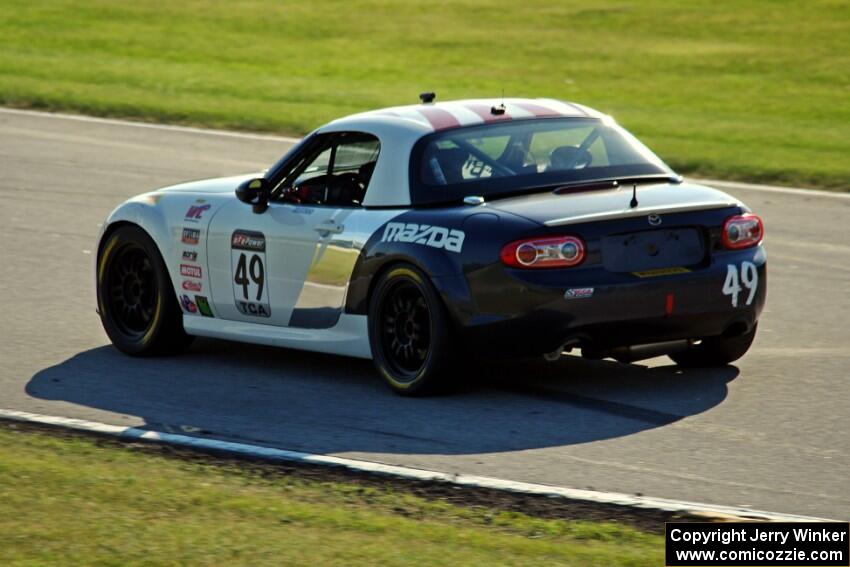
pixel 539 110
pixel 463 115
pixel 565 108
pixel 440 119
pixel 460 113
pixel 484 112
pixel 411 113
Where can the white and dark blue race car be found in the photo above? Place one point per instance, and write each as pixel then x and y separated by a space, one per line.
pixel 424 235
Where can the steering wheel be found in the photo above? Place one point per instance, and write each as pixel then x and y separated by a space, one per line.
pixel 569 157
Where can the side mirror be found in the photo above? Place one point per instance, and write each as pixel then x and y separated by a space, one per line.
pixel 254 192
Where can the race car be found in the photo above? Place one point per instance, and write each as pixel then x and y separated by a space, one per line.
pixel 424 236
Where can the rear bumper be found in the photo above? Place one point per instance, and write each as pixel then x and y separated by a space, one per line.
pixel 500 311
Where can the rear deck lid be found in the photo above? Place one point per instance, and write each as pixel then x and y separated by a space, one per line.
pixel 555 210
pixel 657 249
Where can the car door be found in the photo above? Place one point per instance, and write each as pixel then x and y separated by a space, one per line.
pixel 290 265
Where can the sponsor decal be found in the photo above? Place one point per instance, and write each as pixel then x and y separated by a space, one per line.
pixel 661 272
pixel 253 309
pixel 578 292
pixel 190 285
pixel 191 255
pixel 190 271
pixel 203 306
pixel 191 235
pixel 248 240
pixel 196 211
pixel 188 305
pixel 248 261
pixel 428 235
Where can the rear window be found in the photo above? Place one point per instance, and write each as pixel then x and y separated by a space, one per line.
pixel 514 156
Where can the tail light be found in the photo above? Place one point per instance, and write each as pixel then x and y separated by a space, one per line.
pixel 549 252
pixel 742 231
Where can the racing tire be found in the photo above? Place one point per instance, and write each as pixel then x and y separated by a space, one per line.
pixel 715 351
pixel 136 301
pixel 409 333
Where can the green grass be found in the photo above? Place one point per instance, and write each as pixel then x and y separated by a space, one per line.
pixel 743 89
pixel 75 501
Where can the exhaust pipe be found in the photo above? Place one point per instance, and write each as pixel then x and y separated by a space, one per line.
pixel 634 353
pixel 642 352
pixel 558 352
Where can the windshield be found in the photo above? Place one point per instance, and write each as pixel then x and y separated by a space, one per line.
pixel 526 155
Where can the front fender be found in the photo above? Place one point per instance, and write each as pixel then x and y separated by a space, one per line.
pixel 142 211
pixel 165 216
pixel 145 212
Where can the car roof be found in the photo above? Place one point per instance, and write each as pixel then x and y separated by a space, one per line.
pixel 399 128
pixel 433 117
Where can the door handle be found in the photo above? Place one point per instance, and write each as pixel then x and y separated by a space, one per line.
pixel 330 227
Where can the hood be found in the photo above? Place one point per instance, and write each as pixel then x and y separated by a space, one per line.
pixel 216 185
pixel 606 204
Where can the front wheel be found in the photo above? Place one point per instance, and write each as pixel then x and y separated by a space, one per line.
pixel 716 351
pixel 136 301
pixel 409 332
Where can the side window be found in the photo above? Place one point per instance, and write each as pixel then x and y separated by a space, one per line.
pixel 318 166
pixel 352 156
pixel 335 172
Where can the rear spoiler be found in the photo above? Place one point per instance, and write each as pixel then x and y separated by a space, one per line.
pixel 642 211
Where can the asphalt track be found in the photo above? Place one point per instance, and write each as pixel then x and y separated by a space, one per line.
pixel 770 433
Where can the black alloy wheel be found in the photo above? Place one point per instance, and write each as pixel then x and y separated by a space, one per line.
pixel 132 290
pixel 406 336
pixel 136 301
pixel 409 332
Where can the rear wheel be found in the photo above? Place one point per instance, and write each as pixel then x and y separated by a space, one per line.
pixel 409 332
pixel 136 300
pixel 716 351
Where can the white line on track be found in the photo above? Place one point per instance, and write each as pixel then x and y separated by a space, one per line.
pixel 152 126
pixel 288 139
pixel 462 480
pixel 771 188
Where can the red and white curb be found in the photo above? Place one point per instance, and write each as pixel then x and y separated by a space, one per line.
pixel 461 480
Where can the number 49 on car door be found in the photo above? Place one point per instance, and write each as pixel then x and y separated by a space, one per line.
pixel 248 261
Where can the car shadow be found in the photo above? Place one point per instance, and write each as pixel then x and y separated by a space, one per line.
pixel 329 404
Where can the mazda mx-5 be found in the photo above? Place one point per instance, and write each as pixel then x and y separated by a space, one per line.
pixel 424 235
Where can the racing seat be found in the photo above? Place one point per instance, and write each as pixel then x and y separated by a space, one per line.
pixel 364 174
pixel 443 166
